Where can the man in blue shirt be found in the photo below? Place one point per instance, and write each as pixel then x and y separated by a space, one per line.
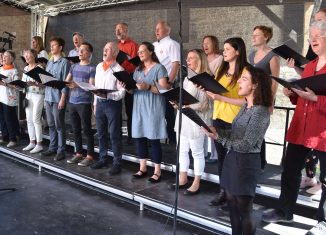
pixel 55 100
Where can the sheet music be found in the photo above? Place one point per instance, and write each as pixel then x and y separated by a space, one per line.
pixel 45 78
pixel 86 86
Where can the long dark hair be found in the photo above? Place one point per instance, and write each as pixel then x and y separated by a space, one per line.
pixel 154 58
pixel 263 92
pixel 241 62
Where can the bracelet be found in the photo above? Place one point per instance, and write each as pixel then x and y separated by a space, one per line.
pixel 149 88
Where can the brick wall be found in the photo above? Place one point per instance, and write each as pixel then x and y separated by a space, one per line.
pixel 19 21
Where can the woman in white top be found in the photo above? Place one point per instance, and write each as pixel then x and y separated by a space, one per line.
pixel 35 97
pixel 9 100
pixel 191 137
pixel 38 46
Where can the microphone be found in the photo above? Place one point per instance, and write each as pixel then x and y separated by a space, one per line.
pixel 10 34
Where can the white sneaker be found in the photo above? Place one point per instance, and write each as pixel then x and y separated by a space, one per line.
pixel 315 190
pixel 29 147
pixel 37 149
pixel 11 144
pixel 308 182
pixel 319 229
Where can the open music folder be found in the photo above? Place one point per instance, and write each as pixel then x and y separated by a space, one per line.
pixel 35 73
pixel 125 77
pixel 2 77
pixel 174 94
pixel 52 82
pixel 314 83
pixel 18 83
pixel 287 53
pixel 91 88
pixel 192 115
pixel 208 83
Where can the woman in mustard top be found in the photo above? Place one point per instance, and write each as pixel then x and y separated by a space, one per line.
pixel 227 105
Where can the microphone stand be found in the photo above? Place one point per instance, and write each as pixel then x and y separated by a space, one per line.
pixel 177 172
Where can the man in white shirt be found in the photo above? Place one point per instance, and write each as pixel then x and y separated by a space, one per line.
pixel 108 108
pixel 168 53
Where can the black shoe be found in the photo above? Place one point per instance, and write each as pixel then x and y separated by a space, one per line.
pixel 191 193
pixel 48 153
pixel 173 186
pixel 153 180
pixel 115 169
pixel 59 157
pixel 100 164
pixel 276 216
pixel 141 175
pixel 219 200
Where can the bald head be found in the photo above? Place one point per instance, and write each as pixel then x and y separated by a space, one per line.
pixel 162 30
pixel 110 51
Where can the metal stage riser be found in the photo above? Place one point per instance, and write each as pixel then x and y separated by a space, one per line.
pixel 192 218
pixel 261 190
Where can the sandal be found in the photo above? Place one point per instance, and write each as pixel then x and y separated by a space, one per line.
pixel 153 180
pixel 140 174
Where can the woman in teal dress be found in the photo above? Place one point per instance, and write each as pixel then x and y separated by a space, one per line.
pixel 148 122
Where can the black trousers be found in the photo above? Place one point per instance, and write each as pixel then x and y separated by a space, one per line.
pixel 129 102
pixel 80 118
pixel 170 121
pixel 294 162
pixel 9 122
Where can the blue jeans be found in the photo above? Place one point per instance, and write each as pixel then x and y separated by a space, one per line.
pixel 57 126
pixel 108 121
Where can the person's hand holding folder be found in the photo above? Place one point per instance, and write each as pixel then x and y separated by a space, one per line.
pixel 214 96
pixel 307 94
pixel 213 134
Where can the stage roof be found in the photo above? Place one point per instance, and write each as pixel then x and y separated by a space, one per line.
pixel 55 7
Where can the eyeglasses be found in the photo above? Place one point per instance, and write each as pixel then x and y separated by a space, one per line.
pixel 317 37
pixel 141 52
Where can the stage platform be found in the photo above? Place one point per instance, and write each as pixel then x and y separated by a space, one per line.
pixel 192 209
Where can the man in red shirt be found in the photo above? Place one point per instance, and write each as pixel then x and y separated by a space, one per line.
pixel 130 47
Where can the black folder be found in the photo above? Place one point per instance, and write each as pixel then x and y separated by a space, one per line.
pixel 174 94
pixel 125 77
pixel 73 59
pixel 42 60
pixel 23 59
pixel 191 114
pixel 135 61
pixel 2 76
pixel 208 83
pixel 287 53
pixel 314 83
pixel 122 57
pixel 19 83
pixel 34 73
pixel 52 82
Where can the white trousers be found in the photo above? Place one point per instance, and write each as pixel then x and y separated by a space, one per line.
pixel 197 151
pixel 33 116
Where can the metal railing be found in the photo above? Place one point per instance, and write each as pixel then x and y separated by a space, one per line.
pixel 286 126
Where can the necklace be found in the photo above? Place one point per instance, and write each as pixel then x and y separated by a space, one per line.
pixel 227 74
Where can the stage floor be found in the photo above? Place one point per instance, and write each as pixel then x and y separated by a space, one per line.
pixel 196 206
